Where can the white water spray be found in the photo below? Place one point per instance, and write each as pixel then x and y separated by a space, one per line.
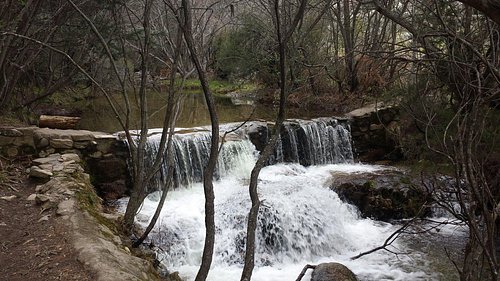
pixel 300 220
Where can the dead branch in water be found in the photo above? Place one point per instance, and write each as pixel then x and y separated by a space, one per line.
pixel 303 272
pixel 395 235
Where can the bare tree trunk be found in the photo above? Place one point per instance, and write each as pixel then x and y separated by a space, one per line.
pixel 138 192
pixel 283 37
pixel 208 173
pixel 168 130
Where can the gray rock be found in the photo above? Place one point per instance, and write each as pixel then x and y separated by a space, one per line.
pixel 8 198
pixel 47 167
pixel 58 167
pixel 44 218
pixel 42 198
pixel 332 271
pixel 385 195
pixel 32 197
pixel 61 143
pixel 37 172
pixel 81 144
pixel 45 160
pixel 258 134
pixel 43 142
pixel 65 208
pixel 43 188
pixel 27 137
pixel 70 157
pixel 83 136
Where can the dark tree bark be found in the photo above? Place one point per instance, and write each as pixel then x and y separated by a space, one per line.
pixel 208 173
pixel 283 36
pixel 167 136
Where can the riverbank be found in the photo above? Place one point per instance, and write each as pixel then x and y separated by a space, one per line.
pixel 53 226
pixel 33 246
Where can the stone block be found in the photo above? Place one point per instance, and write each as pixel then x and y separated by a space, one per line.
pixel 37 172
pixel 61 143
pixel 70 157
pixel 82 137
pixel 81 144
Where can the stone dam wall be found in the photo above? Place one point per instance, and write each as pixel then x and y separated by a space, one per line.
pixel 105 155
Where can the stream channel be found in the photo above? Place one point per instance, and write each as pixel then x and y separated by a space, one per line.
pixel 301 220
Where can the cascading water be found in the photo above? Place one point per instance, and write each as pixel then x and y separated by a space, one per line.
pixel 315 142
pixel 192 152
pixel 300 220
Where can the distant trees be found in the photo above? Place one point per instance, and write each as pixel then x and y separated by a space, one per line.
pixel 456 74
pixel 444 55
pixel 28 71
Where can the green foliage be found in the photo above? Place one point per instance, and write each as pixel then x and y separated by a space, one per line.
pixel 246 52
pixel 218 87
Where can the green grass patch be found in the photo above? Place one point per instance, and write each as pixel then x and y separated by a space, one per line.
pixel 219 87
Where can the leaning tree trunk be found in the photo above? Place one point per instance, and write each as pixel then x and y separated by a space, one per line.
pixel 283 38
pixel 208 172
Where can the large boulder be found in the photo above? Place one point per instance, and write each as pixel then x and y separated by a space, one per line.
pixel 385 195
pixel 332 271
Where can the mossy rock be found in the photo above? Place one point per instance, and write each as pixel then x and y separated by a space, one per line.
pixel 385 196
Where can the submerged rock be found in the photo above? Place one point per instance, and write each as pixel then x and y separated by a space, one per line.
pixel 383 196
pixel 332 271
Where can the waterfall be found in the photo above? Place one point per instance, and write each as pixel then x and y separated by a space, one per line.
pixel 312 142
pixel 300 220
pixel 191 153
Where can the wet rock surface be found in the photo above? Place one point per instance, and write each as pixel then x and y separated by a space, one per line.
pixel 332 271
pixel 385 195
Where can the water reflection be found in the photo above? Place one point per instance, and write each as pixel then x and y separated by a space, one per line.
pixel 193 112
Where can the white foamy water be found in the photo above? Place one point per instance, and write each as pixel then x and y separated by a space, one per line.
pixel 301 221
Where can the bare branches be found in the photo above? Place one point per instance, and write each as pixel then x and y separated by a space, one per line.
pixel 391 239
pixel 303 272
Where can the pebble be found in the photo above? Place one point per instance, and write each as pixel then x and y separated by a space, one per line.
pixel 8 198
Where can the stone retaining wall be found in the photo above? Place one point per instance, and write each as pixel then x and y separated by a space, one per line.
pixel 374 129
pixel 105 155
pixel 66 194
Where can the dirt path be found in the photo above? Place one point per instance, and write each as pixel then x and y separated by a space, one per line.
pixel 32 248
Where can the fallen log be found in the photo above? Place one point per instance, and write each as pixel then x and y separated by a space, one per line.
pixel 58 122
